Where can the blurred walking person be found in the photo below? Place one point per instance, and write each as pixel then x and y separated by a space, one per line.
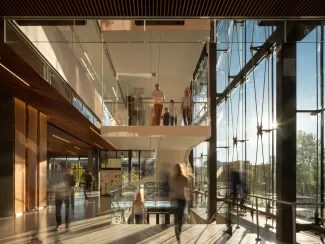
pixel 87 183
pixel 72 184
pixel 62 190
pixel 178 181
pixel 237 185
pixel 138 209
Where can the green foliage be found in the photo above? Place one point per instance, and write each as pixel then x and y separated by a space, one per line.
pixel 307 163
pixel 306 168
pixel 134 176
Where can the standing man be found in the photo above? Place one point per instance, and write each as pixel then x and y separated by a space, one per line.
pixel 158 98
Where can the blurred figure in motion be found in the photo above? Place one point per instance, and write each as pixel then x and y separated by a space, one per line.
pixel 62 190
pixel 164 178
pixel 237 185
pixel 87 183
pixel 72 184
pixel 178 181
pixel 138 209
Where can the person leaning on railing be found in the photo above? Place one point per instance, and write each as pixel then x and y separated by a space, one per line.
pixel 158 98
pixel 187 106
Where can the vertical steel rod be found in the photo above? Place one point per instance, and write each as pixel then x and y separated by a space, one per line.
pixel 322 119
pixel 237 227
pixel 274 124
pixel 257 222
pixel 294 223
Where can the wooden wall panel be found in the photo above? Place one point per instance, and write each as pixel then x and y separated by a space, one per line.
pixel 42 166
pixel 20 159
pixel 32 157
pixel 6 154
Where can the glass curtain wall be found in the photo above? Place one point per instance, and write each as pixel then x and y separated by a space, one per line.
pixel 246 126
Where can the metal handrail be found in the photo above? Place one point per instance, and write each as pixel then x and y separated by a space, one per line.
pixel 48 65
pixel 293 207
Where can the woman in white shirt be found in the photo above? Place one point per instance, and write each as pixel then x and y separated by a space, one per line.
pixel 138 209
pixel 187 107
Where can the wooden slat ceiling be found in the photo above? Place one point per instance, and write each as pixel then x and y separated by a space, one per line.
pixel 164 8
pixel 60 148
pixel 42 95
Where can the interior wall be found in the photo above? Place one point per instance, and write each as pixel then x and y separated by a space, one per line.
pixel 32 129
pixel 42 162
pixel 6 154
pixel 23 156
pixel 20 159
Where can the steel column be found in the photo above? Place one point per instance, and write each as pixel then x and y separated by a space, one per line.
pixel 212 162
pixel 322 70
pixel 286 149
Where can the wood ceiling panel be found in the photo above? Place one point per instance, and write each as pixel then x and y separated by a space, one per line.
pixel 163 8
pixel 72 147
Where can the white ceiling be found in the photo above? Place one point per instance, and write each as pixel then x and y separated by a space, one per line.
pixel 172 54
pixel 174 63
pixel 155 137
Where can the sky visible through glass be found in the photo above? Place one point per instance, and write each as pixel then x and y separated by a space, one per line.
pixel 228 111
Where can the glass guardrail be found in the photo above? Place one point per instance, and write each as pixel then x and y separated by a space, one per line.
pixel 26 50
pixel 146 113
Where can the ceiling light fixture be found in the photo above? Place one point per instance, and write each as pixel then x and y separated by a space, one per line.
pixel 76 147
pixel 49 149
pixel 60 138
pixel 145 75
pixel 95 131
pixel 92 77
pixel 73 153
pixel 14 74
pixel 91 65
pixel 115 93
pixel 87 57
pixel 98 145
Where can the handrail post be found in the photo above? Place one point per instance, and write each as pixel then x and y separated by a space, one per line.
pixel 294 225
pixel 237 227
pixel 257 223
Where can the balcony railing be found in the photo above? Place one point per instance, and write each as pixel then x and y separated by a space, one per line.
pixel 25 49
pixel 143 113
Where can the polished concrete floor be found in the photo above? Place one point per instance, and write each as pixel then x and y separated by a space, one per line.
pixel 93 222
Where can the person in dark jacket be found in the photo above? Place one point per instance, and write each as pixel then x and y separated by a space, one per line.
pixel 87 183
pixel 237 183
pixel 72 184
pixel 166 117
